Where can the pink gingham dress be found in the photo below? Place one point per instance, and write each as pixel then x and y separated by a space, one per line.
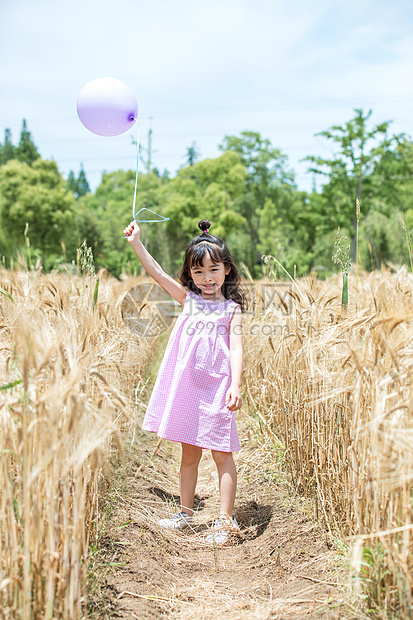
pixel 187 403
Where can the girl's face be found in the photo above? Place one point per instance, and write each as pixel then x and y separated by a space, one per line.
pixel 210 277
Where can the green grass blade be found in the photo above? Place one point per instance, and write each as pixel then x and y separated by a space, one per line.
pixel 7 294
pixel 96 293
pixel 8 386
pixel 344 295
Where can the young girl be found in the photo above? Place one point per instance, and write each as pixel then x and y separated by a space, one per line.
pixel 197 388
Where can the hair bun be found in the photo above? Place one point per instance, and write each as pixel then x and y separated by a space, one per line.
pixel 204 224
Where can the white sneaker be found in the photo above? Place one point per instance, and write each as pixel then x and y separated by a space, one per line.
pixel 222 529
pixel 177 522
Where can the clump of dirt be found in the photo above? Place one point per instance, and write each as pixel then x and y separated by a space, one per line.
pixel 280 566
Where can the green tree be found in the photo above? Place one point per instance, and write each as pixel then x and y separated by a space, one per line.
pixel 382 240
pixel 285 231
pixel 26 151
pixel 269 193
pixel 36 195
pixel 7 150
pixel 208 189
pixel 364 166
pixel 192 154
pixel 405 154
pixel 82 183
pixel 71 182
pixel 101 217
pixel 79 186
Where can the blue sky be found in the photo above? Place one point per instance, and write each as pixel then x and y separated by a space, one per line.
pixel 201 70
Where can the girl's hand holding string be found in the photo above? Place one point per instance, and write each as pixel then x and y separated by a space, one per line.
pixel 233 398
pixel 132 232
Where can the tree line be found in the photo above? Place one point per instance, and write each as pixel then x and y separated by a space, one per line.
pixel 248 192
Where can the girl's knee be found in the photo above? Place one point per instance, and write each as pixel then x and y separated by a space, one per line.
pixel 221 458
pixel 191 455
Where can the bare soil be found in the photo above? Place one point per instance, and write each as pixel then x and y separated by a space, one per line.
pixel 282 566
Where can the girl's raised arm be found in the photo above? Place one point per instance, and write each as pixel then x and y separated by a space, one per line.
pixel 150 265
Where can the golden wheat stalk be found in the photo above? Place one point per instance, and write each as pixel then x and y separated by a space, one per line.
pixel 338 394
pixel 68 375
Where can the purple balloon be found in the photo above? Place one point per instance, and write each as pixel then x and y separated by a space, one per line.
pixel 107 107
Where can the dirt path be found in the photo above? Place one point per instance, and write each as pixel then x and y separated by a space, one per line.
pixel 281 566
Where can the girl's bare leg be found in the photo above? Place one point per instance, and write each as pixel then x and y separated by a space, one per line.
pixel 191 455
pixel 227 475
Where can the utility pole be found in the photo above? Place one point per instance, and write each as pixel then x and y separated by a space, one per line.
pixel 148 174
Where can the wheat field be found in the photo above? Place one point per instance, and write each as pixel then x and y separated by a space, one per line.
pixel 333 391
pixel 67 372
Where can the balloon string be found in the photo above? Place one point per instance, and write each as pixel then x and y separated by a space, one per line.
pixel 164 219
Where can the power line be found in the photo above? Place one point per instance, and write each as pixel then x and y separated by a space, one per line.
pixel 160 156
pixel 271 106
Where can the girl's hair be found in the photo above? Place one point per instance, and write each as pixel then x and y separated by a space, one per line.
pixel 195 253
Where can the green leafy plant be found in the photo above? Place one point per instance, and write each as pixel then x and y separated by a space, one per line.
pixel 357 247
pixel 341 257
pixel 408 244
pixel 87 265
pixel 373 573
pixel 27 244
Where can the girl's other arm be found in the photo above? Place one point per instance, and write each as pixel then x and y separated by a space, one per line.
pixel 233 396
pixel 150 265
